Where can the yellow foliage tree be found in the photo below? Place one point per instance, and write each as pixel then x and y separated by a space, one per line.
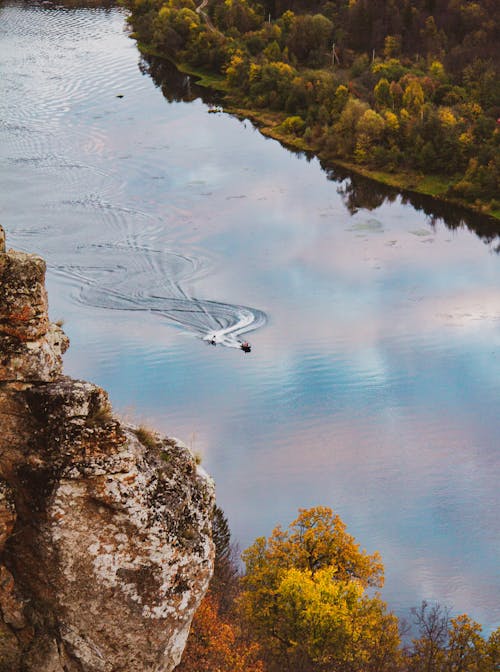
pixel 305 602
pixel 466 647
pixel 447 118
pixel 413 97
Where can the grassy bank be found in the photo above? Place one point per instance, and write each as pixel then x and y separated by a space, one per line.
pixel 208 80
pixel 435 186
pixel 412 110
pixel 270 122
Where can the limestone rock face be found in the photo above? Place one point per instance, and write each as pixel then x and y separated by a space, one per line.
pixel 105 528
pixel 30 347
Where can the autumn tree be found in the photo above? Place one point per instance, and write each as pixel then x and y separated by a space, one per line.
pixel 449 644
pixel 392 45
pixel 316 539
pixel 413 97
pixel 466 650
pixel 428 650
pixel 493 650
pixel 214 644
pixel 369 132
pixel 344 132
pixel 304 598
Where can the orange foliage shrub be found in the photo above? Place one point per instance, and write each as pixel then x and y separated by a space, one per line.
pixel 214 645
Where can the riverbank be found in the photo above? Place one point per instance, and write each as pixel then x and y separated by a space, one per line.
pixel 405 113
pixel 377 317
pixel 434 186
pixel 270 122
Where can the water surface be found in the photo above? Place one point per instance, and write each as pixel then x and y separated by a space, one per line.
pixel 373 383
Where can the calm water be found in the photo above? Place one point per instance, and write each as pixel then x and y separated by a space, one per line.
pixel 373 384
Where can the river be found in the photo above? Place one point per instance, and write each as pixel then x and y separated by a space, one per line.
pixel 373 382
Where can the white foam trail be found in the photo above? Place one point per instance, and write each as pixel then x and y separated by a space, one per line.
pixel 247 320
pixel 118 287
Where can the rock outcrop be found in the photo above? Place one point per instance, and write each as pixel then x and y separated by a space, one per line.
pixel 105 528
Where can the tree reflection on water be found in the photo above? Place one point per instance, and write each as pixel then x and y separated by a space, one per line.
pixel 356 190
pixel 359 192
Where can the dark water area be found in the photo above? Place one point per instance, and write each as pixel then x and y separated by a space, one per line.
pixel 374 317
pixel 176 86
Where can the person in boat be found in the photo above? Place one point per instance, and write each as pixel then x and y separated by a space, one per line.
pixel 245 346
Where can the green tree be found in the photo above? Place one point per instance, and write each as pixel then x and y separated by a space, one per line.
pixel 309 39
pixel 224 584
pixel 270 83
pixel 434 41
pixel 272 52
pixel 392 69
pixel 340 98
pixel 383 96
pixel 237 14
pixel 293 125
pixel 370 129
pixel 344 133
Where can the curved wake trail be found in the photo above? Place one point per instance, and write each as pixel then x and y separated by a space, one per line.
pixel 71 152
pixel 137 278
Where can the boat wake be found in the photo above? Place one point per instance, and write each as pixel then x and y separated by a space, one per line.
pixel 74 149
pixel 137 278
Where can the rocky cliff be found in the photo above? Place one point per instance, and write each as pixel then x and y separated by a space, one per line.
pixel 105 530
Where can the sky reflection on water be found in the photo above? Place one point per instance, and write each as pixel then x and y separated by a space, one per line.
pixel 374 386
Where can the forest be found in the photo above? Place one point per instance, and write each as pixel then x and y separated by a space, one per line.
pixel 407 91
pixel 308 601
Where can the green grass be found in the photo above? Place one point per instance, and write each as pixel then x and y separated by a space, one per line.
pixel 434 185
pixel 268 122
pixel 101 416
pixel 146 436
pixel 209 80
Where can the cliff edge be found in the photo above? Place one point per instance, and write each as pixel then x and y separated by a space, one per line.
pixel 105 539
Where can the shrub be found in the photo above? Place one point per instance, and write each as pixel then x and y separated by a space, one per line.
pixel 293 126
pixel 146 436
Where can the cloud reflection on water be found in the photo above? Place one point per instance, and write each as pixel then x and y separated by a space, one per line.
pixel 361 393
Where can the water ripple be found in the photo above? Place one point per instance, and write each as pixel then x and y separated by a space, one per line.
pixel 46 109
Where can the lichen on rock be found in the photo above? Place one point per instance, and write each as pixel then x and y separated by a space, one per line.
pixel 31 348
pixel 105 541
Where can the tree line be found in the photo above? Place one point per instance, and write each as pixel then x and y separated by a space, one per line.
pixel 392 85
pixel 308 602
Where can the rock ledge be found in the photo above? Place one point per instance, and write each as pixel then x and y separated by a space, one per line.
pixel 105 530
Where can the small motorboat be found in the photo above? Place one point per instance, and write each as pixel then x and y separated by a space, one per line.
pixel 245 346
